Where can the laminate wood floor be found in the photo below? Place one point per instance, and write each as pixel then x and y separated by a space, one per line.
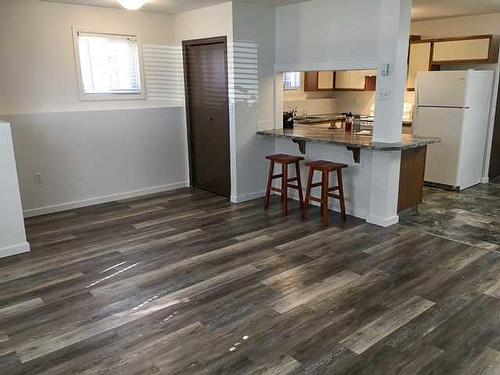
pixel 187 283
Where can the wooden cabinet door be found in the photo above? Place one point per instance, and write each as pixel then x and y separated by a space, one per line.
pixel 357 79
pixel 311 81
pixel 318 81
pixel 420 60
pixel 464 50
pixel 325 80
pixel 342 80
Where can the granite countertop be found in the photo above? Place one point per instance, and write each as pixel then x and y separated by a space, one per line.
pixel 340 137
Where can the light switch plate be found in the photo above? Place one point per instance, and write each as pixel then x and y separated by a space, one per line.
pixel 384 94
pixel 385 70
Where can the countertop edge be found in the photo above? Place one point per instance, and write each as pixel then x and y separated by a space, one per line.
pixel 419 142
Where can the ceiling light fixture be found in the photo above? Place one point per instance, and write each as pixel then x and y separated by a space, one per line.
pixel 132 4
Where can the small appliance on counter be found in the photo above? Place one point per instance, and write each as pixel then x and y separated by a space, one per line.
pixel 288 118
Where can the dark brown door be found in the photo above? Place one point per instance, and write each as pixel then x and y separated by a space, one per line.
pixel 495 145
pixel 205 67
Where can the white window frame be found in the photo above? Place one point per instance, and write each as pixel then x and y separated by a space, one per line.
pixel 84 96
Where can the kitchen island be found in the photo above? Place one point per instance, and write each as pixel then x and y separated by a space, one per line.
pixel 360 152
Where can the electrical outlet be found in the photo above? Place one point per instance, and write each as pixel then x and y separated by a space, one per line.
pixel 38 178
pixel 384 94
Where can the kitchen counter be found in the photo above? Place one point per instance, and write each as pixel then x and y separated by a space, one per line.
pixel 306 133
pixel 317 119
pixel 371 165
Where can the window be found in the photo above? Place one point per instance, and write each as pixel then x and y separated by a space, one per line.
pixel 291 80
pixel 109 66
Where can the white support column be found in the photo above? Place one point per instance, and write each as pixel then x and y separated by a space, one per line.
pixel 12 234
pixel 384 189
pixel 394 30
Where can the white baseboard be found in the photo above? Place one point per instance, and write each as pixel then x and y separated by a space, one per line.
pixel 247 197
pixel 383 221
pixel 485 180
pixel 13 250
pixel 104 199
pixel 331 206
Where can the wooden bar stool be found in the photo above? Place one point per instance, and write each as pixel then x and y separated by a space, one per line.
pixel 325 167
pixel 285 161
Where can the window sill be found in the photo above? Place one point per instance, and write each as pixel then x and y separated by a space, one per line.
pixel 108 97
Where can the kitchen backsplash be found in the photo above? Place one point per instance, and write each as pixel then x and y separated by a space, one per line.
pixel 340 101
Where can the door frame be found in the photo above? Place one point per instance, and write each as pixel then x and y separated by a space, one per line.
pixel 185 45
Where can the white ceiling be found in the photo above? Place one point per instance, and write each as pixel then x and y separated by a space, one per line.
pixel 172 6
pixel 422 9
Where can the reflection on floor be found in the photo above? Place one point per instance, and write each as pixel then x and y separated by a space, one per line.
pixel 471 216
pixel 186 283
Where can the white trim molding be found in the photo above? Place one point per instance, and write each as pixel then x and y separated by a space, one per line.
pixel 104 199
pixel 14 249
pixel 247 197
pixel 383 221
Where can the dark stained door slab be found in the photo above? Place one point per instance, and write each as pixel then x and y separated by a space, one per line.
pixel 205 64
pixel 494 170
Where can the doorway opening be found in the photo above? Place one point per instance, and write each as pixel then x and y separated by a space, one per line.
pixel 207 113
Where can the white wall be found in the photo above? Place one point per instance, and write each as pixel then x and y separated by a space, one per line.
pixel 458 26
pixel 250 31
pixel 465 26
pixel 87 152
pixel 38 67
pixel 12 235
pixel 96 156
pixel 329 34
pixel 206 22
pixel 253 56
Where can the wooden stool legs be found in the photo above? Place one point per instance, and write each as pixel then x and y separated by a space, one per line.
pixel 284 188
pixel 323 166
pixel 269 184
pixel 326 192
pixel 284 161
pixel 341 195
pixel 299 183
pixel 307 201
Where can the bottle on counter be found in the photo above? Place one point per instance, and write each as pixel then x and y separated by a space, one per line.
pixel 349 118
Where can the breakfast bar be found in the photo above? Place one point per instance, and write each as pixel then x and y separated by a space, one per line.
pixel 359 151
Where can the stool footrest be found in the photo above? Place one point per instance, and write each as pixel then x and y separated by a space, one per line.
pixel 276 189
pixel 277 176
pixel 292 179
pixel 316 184
pixel 334 196
pixel 315 199
pixel 334 188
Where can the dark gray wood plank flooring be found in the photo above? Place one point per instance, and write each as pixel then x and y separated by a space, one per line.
pixel 186 283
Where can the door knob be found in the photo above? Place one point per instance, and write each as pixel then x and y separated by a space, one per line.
pixel 210 118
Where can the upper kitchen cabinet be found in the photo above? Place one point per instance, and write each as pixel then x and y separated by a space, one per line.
pixel 355 80
pixel 347 80
pixel 419 60
pixel 430 54
pixel 474 49
pixel 319 81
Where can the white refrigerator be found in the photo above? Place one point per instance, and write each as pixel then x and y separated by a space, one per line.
pixel 454 106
